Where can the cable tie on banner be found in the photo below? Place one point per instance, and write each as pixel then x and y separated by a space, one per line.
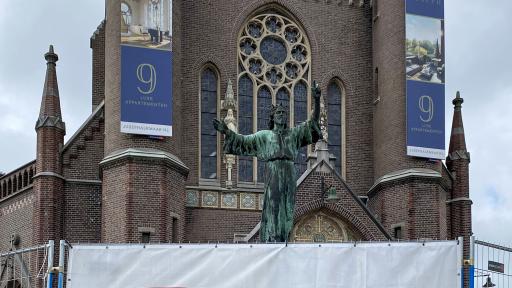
pixel 68 244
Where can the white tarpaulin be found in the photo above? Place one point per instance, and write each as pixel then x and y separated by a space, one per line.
pixel 369 265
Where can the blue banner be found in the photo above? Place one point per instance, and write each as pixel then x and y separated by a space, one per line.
pixel 425 119
pixel 429 8
pixel 146 91
pixel 425 77
pixel 146 67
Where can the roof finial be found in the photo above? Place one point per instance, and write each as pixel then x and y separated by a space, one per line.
pixel 457 102
pixel 50 56
pixel 229 102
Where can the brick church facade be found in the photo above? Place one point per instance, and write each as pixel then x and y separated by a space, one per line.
pixel 104 185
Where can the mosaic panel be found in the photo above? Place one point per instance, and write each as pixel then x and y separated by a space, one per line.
pixel 192 198
pixel 247 201
pixel 229 200
pixel 210 199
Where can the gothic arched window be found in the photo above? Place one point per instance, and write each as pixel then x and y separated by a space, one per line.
pixel 209 98
pixel 301 114
pixel 274 56
pixel 245 123
pixel 334 121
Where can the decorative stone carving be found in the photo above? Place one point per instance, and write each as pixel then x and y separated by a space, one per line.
pixel 229 105
pixel 320 227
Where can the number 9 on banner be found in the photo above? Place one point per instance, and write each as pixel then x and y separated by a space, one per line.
pixel 149 71
pixel 426 105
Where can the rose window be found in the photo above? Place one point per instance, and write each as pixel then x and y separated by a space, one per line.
pixel 274 60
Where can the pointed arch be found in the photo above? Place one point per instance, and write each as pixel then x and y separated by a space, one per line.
pixel 30 175
pixel 324 225
pixel 15 183
pixel 20 181
pixel 9 187
pixel 274 52
pixel 209 106
pixel 25 178
pixel 245 122
pixel 335 102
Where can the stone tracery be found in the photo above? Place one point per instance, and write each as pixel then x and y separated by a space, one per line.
pixel 274 54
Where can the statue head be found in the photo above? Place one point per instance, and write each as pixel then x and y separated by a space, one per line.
pixel 278 115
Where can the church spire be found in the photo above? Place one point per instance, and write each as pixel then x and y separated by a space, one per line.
pixel 50 114
pixel 457 149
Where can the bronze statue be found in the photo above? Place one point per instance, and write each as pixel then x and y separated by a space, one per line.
pixel 279 147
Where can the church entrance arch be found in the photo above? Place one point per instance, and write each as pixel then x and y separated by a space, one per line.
pixel 320 226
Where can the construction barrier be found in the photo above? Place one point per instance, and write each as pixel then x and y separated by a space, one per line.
pixel 369 265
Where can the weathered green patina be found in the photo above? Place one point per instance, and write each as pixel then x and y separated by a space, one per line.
pixel 279 147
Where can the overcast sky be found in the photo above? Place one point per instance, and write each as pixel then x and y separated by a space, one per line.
pixel 479 64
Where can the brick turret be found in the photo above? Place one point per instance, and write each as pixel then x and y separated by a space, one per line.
pixel 143 180
pixel 405 188
pixel 458 164
pixel 48 181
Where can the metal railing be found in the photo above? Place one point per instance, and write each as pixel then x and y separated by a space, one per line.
pixel 491 264
pixel 25 268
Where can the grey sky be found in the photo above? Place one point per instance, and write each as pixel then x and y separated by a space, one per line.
pixel 423 28
pixel 478 64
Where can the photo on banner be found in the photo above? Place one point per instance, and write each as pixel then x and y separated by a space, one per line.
pixel 425 77
pixel 146 67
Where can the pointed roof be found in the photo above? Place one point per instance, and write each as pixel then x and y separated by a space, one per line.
pixel 457 149
pixel 50 114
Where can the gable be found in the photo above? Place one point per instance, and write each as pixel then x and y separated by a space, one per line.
pixel 343 206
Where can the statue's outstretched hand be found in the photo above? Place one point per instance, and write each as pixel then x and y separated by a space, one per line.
pixel 220 126
pixel 315 91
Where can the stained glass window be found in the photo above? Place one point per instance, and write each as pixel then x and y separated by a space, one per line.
pixel 264 105
pixel 273 52
pixel 334 122
pixel 245 120
pixel 208 133
pixel 300 94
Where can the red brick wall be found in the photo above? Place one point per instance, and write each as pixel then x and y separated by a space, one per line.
pixel 16 217
pixel 142 194
pixel 48 209
pixel 419 204
pixel 81 158
pixel 98 65
pixel 82 212
pixel 204 224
